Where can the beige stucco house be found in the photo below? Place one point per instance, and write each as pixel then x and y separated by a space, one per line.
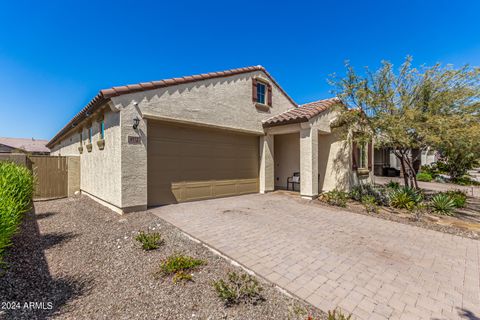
pixel 204 136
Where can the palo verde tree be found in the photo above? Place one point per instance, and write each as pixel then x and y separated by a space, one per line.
pixel 413 109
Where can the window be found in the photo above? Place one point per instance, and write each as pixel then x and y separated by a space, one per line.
pixel 81 138
pixel 261 92
pixel 102 130
pixel 90 134
pixel 362 155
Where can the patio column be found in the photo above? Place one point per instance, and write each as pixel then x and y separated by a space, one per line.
pixel 309 163
pixel 266 175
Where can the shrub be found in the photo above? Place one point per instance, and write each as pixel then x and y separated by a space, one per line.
pixel 458 196
pixel 178 262
pixel 443 204
pixel 338 315
pixel 465 181
pixel 149 241
pixel 182 276
pixel 424 176
pixel 238 288
pixel 405 198
pixel 360 190
pixel 370 203
pixel 393 185
pixel 16 190
pixel 335 198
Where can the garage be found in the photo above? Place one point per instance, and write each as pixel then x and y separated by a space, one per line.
pixel 187 163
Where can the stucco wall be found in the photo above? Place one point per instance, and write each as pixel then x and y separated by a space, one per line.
pixel 287 158
pixel 334 165
pixel 100 173
pixel 223 102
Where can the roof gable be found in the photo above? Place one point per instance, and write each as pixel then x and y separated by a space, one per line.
pixel 104 95
pixel 302 113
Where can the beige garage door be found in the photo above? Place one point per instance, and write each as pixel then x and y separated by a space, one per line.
pixel 189 163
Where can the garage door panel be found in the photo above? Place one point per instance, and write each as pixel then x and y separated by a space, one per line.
pixel 186 163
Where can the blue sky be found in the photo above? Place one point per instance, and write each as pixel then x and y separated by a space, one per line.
pixel 56 55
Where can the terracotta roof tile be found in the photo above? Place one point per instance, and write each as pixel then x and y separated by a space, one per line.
pixel 302 113
pixel 106 94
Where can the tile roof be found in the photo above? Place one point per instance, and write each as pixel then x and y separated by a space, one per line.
pixel 302 113
pixel 105 94
pixel 26 144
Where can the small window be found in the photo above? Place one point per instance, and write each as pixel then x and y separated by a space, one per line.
pixel 362 155
pixel 90 134
pixel 261 87
pixel 81 138
pixel 102 130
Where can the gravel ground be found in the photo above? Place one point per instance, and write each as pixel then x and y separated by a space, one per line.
pixel 81 258
pixel 427 221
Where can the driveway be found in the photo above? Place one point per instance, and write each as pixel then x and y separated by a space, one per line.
pixel 374 268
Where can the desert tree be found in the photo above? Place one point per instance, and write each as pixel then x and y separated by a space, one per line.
pixel 412 109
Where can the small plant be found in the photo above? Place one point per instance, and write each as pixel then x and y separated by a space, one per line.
pixel 393 185
pixel 335 198
pixel 149 241
pixel 238 288
pixel 179 263
pixel 424 176
pixel 442 204
pixel 405 198
pixel 459 197
pixel 337 314
pixel 182 276
pixel 370 203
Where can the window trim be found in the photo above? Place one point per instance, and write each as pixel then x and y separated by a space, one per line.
pixel 265 92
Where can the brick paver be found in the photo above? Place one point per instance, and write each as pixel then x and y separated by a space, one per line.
pixel 373 268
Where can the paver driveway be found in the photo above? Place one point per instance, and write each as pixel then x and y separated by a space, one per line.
pixel 375 268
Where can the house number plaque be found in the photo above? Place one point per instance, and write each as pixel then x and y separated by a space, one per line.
pixel 134 140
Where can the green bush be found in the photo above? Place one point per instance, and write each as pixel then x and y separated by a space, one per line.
pixel 149 241
pixel 405 198
pixel 465 181
pixel 360 190
pixel 370 203
pixel 458 196
pixel 16 190
pixel 335 198
pixel 424 176
pixel 442 204
pixel 179 262
pixel 238 288
pixel 393 185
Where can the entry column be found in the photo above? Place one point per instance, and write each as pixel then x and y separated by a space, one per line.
pixel 309 163
pixel 266 175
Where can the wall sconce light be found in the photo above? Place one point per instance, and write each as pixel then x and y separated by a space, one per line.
pixel 136 122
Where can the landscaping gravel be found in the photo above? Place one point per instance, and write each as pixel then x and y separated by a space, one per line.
pixel 75 259
pixel 401 216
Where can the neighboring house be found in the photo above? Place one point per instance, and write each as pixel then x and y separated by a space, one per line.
pixel 30 146
pixel 204 136
pixel 387 164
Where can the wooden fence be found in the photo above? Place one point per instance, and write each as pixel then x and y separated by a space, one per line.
pixel 52 176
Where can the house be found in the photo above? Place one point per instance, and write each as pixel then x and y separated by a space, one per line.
pixel 204 136
pixel 387 164
pixel 22 145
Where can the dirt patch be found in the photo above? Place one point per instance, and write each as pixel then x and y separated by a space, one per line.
pixel 80 260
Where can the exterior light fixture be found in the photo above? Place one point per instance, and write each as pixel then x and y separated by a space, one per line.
pixel 136 122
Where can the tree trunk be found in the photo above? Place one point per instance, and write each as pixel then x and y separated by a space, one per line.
pixel 402 163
